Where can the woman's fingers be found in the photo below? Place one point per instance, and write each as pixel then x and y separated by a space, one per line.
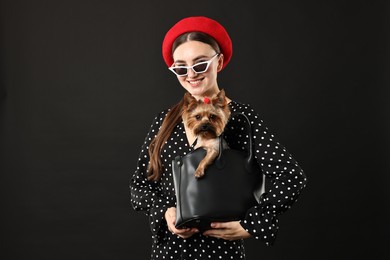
pixel 227 230
pixel 170 217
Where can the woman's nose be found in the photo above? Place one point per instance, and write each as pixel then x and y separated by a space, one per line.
pixel 192 73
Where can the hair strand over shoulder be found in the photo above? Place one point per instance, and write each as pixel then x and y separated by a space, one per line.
pixel 172 118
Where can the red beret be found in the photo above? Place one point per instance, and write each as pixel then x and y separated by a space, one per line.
pixel 197 24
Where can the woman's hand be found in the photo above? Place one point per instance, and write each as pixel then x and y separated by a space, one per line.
pixel 170 217
pixel 227 230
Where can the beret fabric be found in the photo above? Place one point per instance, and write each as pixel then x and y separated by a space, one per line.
pixel 197 24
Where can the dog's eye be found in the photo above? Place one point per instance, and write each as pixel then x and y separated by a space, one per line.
pixel 197 117
pixel 212 116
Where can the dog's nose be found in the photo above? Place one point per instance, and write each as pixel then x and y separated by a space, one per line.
pixel 205 127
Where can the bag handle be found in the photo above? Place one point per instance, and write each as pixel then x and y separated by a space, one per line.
pixel 250 159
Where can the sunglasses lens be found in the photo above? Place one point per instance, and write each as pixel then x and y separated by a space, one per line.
pixel 180 71
pixel 199 68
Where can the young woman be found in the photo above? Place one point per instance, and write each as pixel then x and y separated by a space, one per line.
pixel 196 49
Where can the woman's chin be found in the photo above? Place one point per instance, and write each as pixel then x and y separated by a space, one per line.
pixel 195 90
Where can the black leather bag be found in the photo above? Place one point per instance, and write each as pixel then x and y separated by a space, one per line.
pixel 230 186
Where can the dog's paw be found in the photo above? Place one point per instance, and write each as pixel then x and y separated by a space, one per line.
pixel 199 173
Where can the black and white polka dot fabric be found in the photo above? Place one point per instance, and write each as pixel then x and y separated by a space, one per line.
pixel 285 181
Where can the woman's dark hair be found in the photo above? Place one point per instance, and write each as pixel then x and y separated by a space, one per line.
pixel 173 116
pixel 195 36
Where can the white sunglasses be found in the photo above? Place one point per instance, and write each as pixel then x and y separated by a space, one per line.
pixel 198 68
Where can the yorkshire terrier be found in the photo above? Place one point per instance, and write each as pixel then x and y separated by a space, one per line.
pixel 206 119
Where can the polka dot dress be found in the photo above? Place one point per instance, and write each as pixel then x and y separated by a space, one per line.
pixel 285 182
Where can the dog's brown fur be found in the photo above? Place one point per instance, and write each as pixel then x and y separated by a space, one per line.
pixel 207 122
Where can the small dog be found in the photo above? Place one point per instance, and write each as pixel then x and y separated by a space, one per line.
pixel 206 119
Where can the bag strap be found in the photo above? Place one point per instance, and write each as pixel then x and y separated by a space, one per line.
pixel 250 159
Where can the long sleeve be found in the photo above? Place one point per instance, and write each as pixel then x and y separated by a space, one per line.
pixel 285 178
pixel 147 196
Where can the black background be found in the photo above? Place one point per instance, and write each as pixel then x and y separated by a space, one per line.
pixel 82 80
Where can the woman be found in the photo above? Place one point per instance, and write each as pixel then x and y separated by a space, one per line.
pixel 196 49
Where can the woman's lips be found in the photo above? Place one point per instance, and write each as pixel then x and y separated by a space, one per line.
pixel 194 83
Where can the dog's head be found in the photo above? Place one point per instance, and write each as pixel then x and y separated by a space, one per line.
pixel 206 118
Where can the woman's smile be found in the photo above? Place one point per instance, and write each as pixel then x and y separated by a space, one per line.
pixel 195 82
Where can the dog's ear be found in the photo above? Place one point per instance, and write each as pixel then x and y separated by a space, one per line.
pixel 189 101
pixel 219 99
